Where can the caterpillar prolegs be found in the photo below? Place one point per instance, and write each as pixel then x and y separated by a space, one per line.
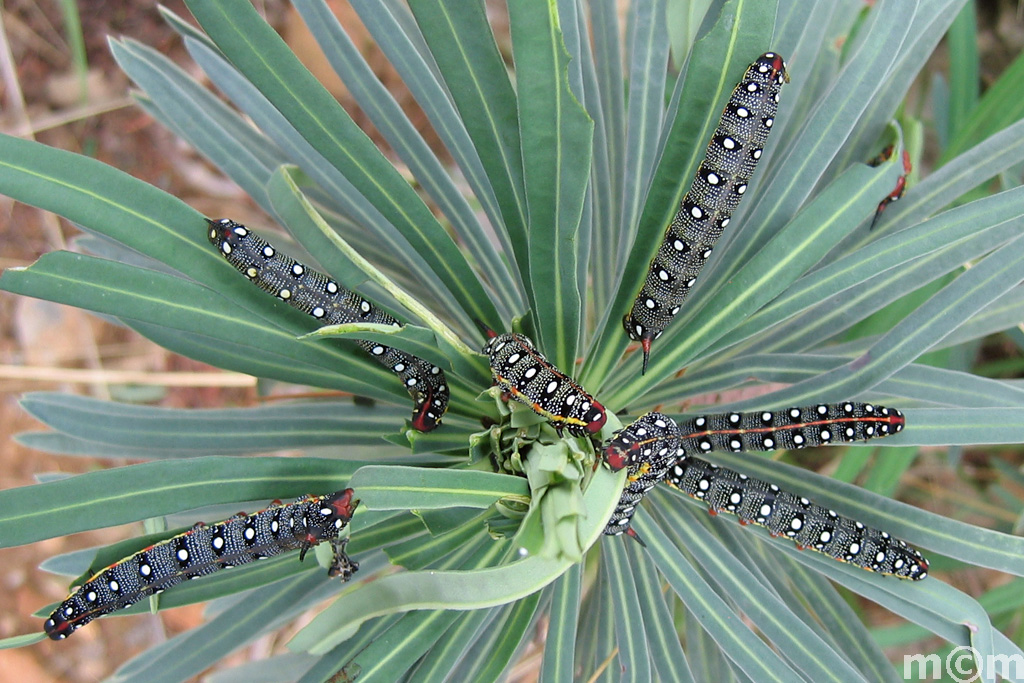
pixel 206 549
pixel 524 373
pixel 314 293
pixel 714 195
pixel 654 448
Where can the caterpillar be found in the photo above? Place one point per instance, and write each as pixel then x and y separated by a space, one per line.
pixel 649 447
pixel 715 193
pixel 525 374
pixel 791 428
pixel 654 448
pixel 314 293
pixel 786 514
pixel 901 182
pixel 203 550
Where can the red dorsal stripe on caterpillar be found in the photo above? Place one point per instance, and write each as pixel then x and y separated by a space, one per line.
pixel 524 373
pixel 791 428
pixel 655 448
pixel 206 549
pixel 646 445
pixel 717 188
pixel 786 514
pixel 314 293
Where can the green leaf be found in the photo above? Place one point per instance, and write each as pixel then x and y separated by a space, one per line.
pixel 167 432
pixel 496 650
pixel 453 589
pixel 417 488
pixel 801 642
pixel 998 216
pixel 387 116
pixel 259 53
pixel 172 302
pixel 191 652
pixel 716 63
pixel 964 74
pixel 918 332
pixel 196 115
pixel 404 47
pixel 556 136
pixel 997 109
pixel 630 635
pixel 663 642
pixel 734 638
pixel 127 494
pixel 649 42
pixel 462 45
pixel 561 640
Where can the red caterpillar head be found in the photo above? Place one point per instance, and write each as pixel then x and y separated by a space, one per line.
pixel 327 519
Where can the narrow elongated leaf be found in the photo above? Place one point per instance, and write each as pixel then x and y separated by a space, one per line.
pixel 458 590
pixel 127 494
pixel 841 622
pixel 556 167
pixel 417 488
pixel 244 154
pixel 453 645
pixel 664 648
pixel 750 654
pixel 917 382
pixel 649 43
pixel 1000 214
pixel 462 45
pixel 149 296
pixel 511 627
pixel 802 645
pixel 369 230
pixel 241 430
pixel 976 288
pixel 409 145
pixel 189 653
pixel 634 658
pixel 258 52
pixel 399 38
pixel 741 33
pixel 561 640
pixel 609 148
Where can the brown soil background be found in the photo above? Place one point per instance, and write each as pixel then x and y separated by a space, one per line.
pixel 45 347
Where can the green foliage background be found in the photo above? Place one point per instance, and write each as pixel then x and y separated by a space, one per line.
pixel 577 157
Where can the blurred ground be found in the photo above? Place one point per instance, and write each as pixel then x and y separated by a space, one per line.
pixel 42 345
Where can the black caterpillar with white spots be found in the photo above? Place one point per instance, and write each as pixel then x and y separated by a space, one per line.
pixel 207 549
pixel 786 514
pixel 649 447
pixel 654 448
pixel 714 195
pixel 314 293
pixel 524 373
pixel 817 425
